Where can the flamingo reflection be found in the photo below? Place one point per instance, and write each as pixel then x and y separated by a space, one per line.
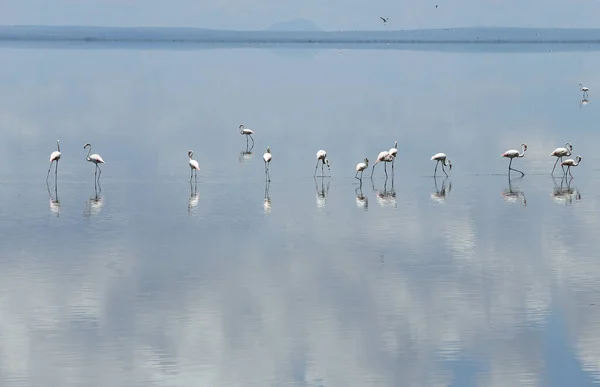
pixel 386 197
pixel 322 192
pixel 246 155
pixel 439 195
pixel 54 202
pixel 194 198
pixel 267 200
pixel 361 200
pixel 584 101
pixel 94 204
pixel 564 193
pixel 512 195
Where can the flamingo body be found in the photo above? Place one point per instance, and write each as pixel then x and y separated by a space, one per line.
pixel 322 157
pixel 55 156
pixel 360 167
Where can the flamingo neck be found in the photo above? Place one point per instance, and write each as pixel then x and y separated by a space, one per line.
pixel 88 154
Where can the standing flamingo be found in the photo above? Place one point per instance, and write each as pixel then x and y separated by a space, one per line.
pixel 511 154
pixel 267 158
pixel 571 163
pixel 385 157
pixel 441 157
pixel 54 156
pixel 247 133
pixel 194 167
pixel 322 157
pixel 583 89
pixel 393 152
pixel 360 167
pixel 559 153
pixel 95 158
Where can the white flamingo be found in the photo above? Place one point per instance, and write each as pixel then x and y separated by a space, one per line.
pixel 583 89
pixel 267 157
pixel 360 167
pixel 322 157
pixel 247 133
pixel 382 157
pixel 95 158
pixel 559 153
pixel 441 157
pixel 194 167
pixel 393 152
pixel 54 156
pixel 511 154
pixel 571 163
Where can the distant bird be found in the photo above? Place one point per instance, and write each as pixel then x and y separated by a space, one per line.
pixel 511 154
pixel 322 157
pixel 54 156
pixel 559 153
pixel 393 152
pixel 267 158
pixel 385 19
pixel 436 6
pixel 247 133
pixel 441 157
pixel 571 163
pixel 194 167
pixel 95 158
pixel 382 157
pixel 583 89
pixel 360 167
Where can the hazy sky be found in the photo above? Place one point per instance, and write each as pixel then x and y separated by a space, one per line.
pixel 329 14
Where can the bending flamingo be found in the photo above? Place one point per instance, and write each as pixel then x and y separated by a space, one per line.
pixel 322 157
pixel 571 163
pixel 441 157
pixel 54 156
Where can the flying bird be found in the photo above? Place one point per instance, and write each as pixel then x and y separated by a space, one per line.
pixel 441 157
pixel 511 154
pixel 54 157
pixel 385 19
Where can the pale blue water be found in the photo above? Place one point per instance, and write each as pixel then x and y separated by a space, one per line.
pixel 493 284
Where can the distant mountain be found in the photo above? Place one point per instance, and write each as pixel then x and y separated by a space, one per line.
pixel 299 35
pixel 294 25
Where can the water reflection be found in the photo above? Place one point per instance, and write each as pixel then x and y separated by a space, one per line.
pixel 245 155
pixel 94 203
pixel 267 199
pixel 386 197
pixel 322 192
pixel 564 193
pixel 54 202
pixel 584 101
pixel 361 200
pixel 512 195
pixel 439 195
pixel 194 198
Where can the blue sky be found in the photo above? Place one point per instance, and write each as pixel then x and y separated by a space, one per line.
pixel 327 14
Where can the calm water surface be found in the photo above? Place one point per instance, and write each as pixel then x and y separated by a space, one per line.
pixel 474 280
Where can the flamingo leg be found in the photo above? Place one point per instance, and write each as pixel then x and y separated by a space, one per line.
pixel 373 170
pixel 569 170
pixel 511 168
pixel 558 158
pixel 316 166
pixel 443 170
pixel 56 172
pixel 356 176
pixel 252 138
pixel 435 170
pixel 385 169
pixel 49 168
pixel 361 175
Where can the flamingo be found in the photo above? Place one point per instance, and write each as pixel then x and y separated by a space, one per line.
pixel 194 167
pixel 559 153
pixel 511 154
pixel 583 89
pixel 571 163
pixel 322 156
pixel 385 157
pixel 267 158
pixel 360 167
pixel 441 157
pixel 247 132
pixel 95 158
pixel 393 152
pixel 54 156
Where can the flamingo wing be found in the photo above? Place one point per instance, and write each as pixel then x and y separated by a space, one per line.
pixel 438 156
pixel 194 164
pixel 97 158
pixel 55 156
pixel 267 157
